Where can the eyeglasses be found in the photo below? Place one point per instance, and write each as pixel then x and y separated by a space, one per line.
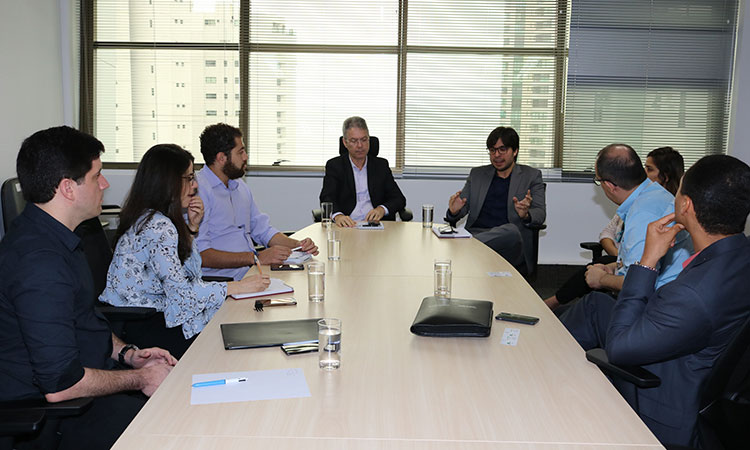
pixel 362 141
pixel 598 181
pixel 500 150
pixel 190 178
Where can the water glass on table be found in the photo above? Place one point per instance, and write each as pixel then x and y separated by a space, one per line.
pixel 427 211
pixel 326 211
pixel 329 344
pixel 334 245
pixel 316 274
pixel 443 275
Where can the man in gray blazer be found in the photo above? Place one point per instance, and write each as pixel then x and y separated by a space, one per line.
pixel 500 199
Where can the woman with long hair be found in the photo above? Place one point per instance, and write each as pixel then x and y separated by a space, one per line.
pixel 665 166
pixel 156 262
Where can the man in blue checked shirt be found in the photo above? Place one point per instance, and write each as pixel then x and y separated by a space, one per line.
pixel 232 222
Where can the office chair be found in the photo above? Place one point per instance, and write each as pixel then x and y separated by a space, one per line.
pixel 595 247
pixel 724 412
pixel 13 202
pixel 529 273
pixel 35 421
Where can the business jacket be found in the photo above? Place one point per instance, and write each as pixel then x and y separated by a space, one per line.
pixel 679 331
pixel 522 179
pixel 338 186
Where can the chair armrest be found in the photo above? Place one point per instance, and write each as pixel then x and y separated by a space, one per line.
pixel 317 214
pixel 67 408
pixel 210 278
pixel 535 226
pixel 406 215
pixel 636 375
pixel 595 247
pixel 126 313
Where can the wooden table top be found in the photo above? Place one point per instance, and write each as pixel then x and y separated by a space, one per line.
pixel 396 390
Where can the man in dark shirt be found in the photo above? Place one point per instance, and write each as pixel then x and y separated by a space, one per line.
pixel 53 344
pixel 500 198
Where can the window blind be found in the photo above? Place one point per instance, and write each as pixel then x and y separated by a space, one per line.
pixel 648 74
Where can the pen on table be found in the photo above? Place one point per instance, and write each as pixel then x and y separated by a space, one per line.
pixel 219 382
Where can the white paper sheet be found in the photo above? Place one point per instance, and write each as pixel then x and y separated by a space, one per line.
pixel 298 257
pixel 260 385
pixel 276 287
pixel 363 225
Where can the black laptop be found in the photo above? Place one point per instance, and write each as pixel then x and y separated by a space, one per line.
pixel 268 334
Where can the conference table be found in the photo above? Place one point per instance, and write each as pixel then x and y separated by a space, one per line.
pixel 397 390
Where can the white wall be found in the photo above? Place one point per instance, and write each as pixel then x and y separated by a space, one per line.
pixel 32 38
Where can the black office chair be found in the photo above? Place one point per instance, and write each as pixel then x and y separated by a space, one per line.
pixel 35 422
pixel 13 202
pixel 595 248
pixel 724 412
pixel 529 273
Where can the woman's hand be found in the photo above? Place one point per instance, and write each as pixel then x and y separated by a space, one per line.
pixel 195 213
pixel 253 283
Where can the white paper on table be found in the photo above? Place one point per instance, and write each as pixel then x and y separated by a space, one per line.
pixel 510 336
pixel 260 385
pixel 499 274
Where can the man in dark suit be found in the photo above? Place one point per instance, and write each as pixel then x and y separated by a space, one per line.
pixel 360 186
pixel 679 330
pixel 500 198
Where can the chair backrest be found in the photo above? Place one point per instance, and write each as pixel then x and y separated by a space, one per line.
pixel 374 146
pixel 97 249
pixel 725 401
pixel 13 202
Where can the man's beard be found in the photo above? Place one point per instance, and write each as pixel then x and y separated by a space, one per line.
pixel 232 171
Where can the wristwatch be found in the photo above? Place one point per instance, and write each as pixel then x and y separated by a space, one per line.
pixel 123 351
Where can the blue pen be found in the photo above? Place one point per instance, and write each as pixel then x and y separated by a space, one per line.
pixel 219 382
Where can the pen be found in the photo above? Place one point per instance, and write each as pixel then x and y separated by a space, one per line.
pixel 297 248
pixel 219 382
pixel 257 263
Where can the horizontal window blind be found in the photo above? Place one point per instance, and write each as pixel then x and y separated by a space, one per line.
pixel 648 74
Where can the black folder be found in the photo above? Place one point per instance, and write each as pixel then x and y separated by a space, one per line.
pixel 268 334
pixel 453 317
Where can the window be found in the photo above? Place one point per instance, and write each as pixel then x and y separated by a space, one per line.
pixel 431 79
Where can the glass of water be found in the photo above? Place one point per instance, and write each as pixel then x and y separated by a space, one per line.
pixel 316 275
pixel 443 275
pixel 427 211
pixel 334 246
pixel 326 210
pixel 329 344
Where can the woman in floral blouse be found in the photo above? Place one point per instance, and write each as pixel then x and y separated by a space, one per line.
pixel 156 262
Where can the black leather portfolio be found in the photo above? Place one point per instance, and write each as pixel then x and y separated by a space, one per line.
pixel 453 317
pixel 268 334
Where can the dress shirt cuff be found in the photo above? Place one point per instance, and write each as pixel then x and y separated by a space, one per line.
pixel 385 209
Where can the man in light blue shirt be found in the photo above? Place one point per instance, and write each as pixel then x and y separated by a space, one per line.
pixel 232 222
pixel 621 176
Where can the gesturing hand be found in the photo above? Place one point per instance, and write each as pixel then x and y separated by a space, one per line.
pixel 455 203
pixel 522 206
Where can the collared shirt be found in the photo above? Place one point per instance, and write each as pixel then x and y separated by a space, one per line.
pixel 362 191
pixel 49 329
pixel 146 271
pixel 647 203
pixel 232 222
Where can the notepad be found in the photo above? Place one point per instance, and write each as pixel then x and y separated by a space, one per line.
pixel 276 287
pixel 298 257
pixel 459 232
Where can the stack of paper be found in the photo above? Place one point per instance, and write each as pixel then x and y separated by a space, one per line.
pixel 298 257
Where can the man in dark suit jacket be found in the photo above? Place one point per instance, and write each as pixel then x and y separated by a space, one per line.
pixel 679 330
pixel 360 185
pixel 500 198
